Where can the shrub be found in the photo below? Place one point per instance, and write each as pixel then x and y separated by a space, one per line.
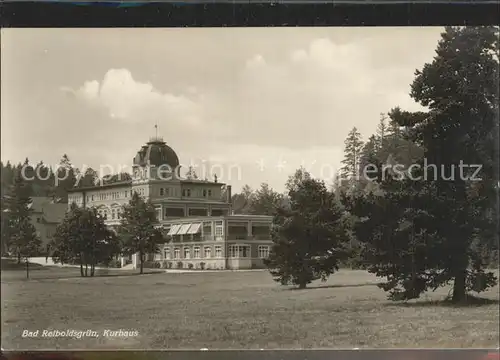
pixel 179 265
pixel 170 265
pixel 115 264
pixel 202 266
pixel 157 264
pixel 190 266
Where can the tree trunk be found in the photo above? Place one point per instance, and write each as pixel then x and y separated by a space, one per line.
pixel 81 269
pixel 302 285
pixel 18 258
pixel 142 262
pixel 459 293
pixel 92 270
pixel 86 269
pixel 27 268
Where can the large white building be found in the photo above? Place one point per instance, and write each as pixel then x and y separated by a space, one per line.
pixel 196 215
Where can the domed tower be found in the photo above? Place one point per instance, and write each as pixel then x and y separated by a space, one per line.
pixel 155 160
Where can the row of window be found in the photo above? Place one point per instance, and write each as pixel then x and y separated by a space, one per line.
pixel 128 193
pixel 204 192
pixel 108 196
pixel 235 251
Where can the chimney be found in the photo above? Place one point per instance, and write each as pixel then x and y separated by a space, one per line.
pixel 228 193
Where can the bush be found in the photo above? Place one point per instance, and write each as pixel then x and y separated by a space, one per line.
pixel 115 264
pixel 152 265
pixel 164 265
pixel 179 265
pixel 170 265
pixel 190 266
pixel 202 266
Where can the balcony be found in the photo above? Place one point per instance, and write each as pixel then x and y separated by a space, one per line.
pixel 249 237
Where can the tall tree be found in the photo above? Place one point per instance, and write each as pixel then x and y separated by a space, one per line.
pixel 66 176
pixel 427 229
pixel 309 238
pixel 89 178
pixel 265 201
pixel 83 238
pixel 381 131
pixel 242 202
pixel 137 229
pixel 352 154
pixel 20 235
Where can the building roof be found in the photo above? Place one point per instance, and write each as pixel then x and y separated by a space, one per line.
pixel 105 186
pixel 156 153
pixel 37 203
pixel 52 212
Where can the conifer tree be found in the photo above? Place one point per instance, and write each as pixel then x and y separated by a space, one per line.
pixel 352 155
pixel 428 230
pixel 20 235
pixel 309 237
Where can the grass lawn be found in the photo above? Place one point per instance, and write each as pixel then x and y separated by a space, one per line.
pixel 233 310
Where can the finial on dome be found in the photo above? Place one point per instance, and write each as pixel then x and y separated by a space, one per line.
pixel 156 138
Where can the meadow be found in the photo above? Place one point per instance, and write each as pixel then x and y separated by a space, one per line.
pixel 233 310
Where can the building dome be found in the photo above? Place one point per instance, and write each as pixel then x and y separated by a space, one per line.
pixel 156 153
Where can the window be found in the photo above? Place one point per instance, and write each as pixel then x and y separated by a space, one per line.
pixel 196 252
pixel 37 220
pixel 177 253
pixel 218 231
pixel 187 253
pixel 204 193
pixel 218 251
pixel 244 251
pixel 167 192
pixel 105 214
pixel 186 192
pixel 209 193
pixel 113 214
pixel 92 197
pixel 166 253
pixel 241 251
pixel 158 213
pixel 162 192
pixel 233 251
pixel 263 251
pixel 126 192
pixel 208 252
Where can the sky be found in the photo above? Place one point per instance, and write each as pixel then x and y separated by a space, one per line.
pixel 249 104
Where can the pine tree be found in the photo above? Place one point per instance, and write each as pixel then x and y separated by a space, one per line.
pixel 428 231
pixel 309 238
pixel 352 154
pixel 20 235
pixel 66 176
pixel 381 131
pixel 265 201
pixel 137 229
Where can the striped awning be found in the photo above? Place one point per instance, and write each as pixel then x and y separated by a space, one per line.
pixel 194 228
pixel 183 230
pixel 173 230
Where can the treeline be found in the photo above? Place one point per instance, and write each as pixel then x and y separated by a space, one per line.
pixel 419 228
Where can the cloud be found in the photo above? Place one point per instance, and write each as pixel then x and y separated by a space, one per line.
pixel 133 101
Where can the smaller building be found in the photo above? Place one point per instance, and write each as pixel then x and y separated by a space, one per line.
pixel 46 216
